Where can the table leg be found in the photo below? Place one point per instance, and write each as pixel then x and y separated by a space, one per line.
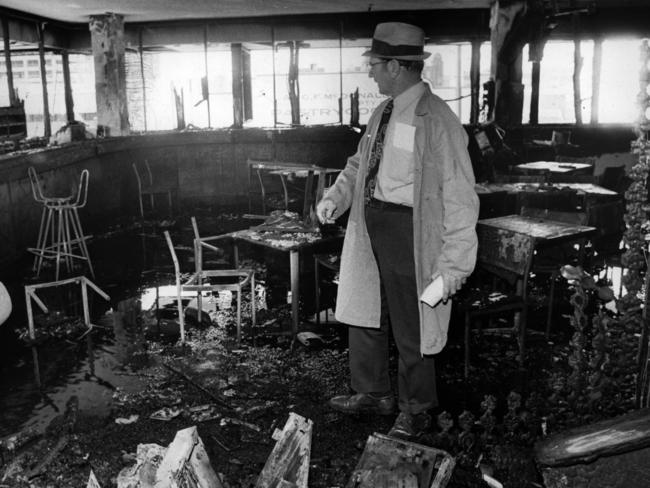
pixel 309 194
pixel 295 285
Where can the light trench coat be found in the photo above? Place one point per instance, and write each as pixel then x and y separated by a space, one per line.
pixel 445 211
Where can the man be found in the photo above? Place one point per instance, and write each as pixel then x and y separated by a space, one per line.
pixel 413 211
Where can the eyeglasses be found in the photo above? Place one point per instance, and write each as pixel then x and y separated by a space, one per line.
pixel 372 65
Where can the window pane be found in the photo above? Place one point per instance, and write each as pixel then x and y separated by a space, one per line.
pixel 261 87
pixel 82 80
pixel 4 87
pixel 55 92
pixel 176 77
pixel 29 88
pixel 447 71
pixel 619 81
pixel 555 84
pixel 220 85
pixel 281 59
pixel 320 82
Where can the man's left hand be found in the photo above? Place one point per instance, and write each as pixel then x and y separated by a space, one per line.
pixel 450 285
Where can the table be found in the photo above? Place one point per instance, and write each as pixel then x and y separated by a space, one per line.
pixel 293 243
pixel 536 167
pixel 512 194
pixel 545 232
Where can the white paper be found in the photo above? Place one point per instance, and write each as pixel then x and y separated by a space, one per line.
pixel 432 294
pixel 404 136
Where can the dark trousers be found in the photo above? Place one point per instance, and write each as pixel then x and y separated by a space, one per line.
pixel 391 235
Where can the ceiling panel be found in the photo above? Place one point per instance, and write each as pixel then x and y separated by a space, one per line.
pixel 78 11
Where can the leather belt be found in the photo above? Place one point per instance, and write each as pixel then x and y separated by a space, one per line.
pixel 389 206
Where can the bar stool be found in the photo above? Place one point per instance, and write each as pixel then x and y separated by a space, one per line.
pixel 60 229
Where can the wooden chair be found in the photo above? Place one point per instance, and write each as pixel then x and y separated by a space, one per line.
pixel 549 261
pixel 202 280
pixel 506 256
pixel 147 187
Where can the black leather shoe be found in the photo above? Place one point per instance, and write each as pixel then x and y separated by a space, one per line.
pixel 363 402
pixel 410 426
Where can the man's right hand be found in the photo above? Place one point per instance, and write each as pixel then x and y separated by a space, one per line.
pixel 325 211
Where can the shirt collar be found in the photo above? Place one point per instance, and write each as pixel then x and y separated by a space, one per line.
pixel 408 96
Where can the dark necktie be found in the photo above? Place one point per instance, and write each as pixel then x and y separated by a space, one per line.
pixel 377 151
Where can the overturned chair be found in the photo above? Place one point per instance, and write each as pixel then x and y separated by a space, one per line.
pixel 201 281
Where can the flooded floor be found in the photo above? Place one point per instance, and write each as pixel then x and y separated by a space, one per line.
pixel 114 360
pixel 134 267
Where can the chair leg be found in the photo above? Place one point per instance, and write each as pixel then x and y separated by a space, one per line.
pixel 549 311
pixel 523 317
pixel 59 242
pixel 169 200
pixel 40 243
pixel 82 242
pixel 48 231
pixel 141 206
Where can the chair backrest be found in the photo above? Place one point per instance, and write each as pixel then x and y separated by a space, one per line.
pixel 82 191
pixel 198 249
pixel 145 179
pixel 37 191
pixel 578 218
pixel 170 245
pixel 506 253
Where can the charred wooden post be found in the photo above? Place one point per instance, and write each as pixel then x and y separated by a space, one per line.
pixel 186 463
pixel 107 40
pixel 13 100
pixel 511 24
pixel 475 80
pixel 67 86
pixel 47 127
pixel 288 463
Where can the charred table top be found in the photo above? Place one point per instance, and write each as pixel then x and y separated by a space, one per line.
pixel 282 237
pixel 582 188
pixel 554 167
pixel 542 230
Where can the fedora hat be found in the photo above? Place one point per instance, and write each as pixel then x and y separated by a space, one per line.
pixel 398 40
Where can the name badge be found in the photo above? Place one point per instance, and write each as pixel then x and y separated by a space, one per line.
pixel 404 136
